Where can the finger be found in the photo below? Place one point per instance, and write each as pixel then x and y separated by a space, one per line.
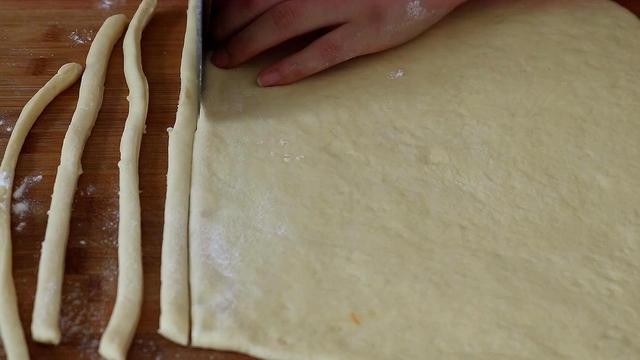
pixel 233 15
pixel 280 23
pixel 217 4
pixel 331 49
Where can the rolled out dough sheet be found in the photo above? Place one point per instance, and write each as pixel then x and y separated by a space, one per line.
pixel 471 195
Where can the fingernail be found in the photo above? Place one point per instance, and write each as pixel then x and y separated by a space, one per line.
pixel 269 78
pixel 221 58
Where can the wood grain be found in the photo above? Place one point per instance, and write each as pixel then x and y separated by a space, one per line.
pixel 36 38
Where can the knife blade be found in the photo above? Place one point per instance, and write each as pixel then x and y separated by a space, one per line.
pixel 203 13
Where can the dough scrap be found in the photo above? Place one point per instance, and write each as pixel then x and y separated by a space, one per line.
pixel 117 337
pixel 10 326
pixel 46 310
pixel 484 205
pixel 174 277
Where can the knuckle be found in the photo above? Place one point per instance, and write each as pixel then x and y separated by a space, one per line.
pixel 285 15
pixel 330 51
pixel 291 70
pixel 296 72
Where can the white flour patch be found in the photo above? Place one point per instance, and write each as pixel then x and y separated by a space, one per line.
pixel 88 191
pixel 110 273
pixel 148 347
pixel 5 190
pixel 77 315
pixel 108 4
pixel 21 208
pixel 4 180
pixel 287 156
pixel 395 74
pixel 82 36
pixel 105 4
pixel 415 10
pixel 109 220
pixel 4 115
pixel 9 129
pixel 26 183
pixel 21 226
pixel 217 249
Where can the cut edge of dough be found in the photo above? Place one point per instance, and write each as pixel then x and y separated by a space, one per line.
pixel 175 284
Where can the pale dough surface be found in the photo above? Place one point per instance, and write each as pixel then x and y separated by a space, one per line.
pixel 45 323
pixel 471 195
pixel 174 270
pixel 11 334
pixel 120 330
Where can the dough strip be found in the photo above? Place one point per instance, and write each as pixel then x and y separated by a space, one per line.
pixel 126 311
pixel 10 326
pixel 174 289
pixel 46 312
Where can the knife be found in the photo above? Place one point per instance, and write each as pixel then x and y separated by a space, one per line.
pixel 203 14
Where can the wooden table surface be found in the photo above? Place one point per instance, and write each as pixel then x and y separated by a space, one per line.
pixel 36 38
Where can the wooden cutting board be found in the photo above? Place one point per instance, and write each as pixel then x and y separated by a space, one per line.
pixel 36 38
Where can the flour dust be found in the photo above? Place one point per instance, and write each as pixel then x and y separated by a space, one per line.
pixel 82 36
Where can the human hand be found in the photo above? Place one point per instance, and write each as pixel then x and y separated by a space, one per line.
pixel 245 28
